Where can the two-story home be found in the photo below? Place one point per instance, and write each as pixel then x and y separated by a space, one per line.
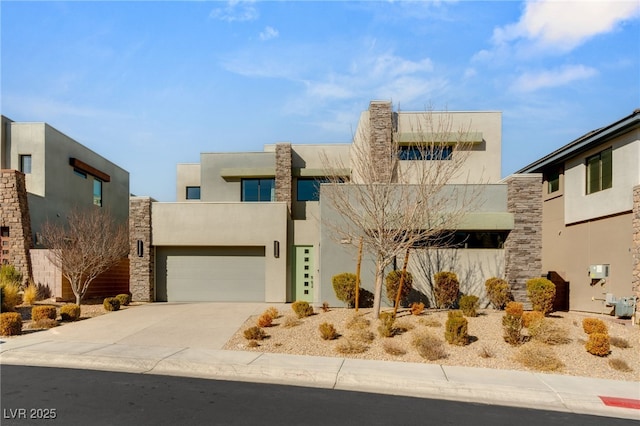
pixel 591 194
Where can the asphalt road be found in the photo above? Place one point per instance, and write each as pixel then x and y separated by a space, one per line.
pixel 55 396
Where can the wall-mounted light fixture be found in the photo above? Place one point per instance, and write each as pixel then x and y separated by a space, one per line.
pixel 140 248
pixel 276 249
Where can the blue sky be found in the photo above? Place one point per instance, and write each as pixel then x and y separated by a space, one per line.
pixel 152 84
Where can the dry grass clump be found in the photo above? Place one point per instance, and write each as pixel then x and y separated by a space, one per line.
pixel 486 352
pixel 357 321
pixel 619 342
pixel 417 308
pixel 30 294
pixel 254 333
pixel 539 357
pixel 328 331
pixel 403 326
pixel 620 365
pixel 265 320
pixel 429 346
pixel 392 348
pixel 273 312
pixel 253 344
pixel 387 325
pixel 291 321
pixel 44 323
pixel 350 347
pixel 546 331
pixel 362 335
pixel 430 322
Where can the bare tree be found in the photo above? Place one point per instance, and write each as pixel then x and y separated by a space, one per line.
pixel 89 243
pixel 399 195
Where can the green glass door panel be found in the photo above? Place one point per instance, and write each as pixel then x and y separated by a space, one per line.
pixel 303 273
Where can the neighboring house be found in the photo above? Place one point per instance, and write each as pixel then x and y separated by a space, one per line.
pixel 58 174
pixel 249 226
pixel 591 214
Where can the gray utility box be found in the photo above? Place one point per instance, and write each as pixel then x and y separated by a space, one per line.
pixel 624 306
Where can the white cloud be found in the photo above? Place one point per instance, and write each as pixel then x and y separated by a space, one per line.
pixel 531 81
pixel 566 24
pixel 236 11
pixel 269 33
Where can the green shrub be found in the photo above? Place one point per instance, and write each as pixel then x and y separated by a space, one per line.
pixel 386 327
pixel 456 329
pixel 446 289
pixel 393 282
pixel 542 293
pixel 302 308
pixel 10 324
pixel 70 312
pixel 498 292
pixel 111 304
pixel 42 312
pixel 469 305
pixel 344 285
pixel 254 333
pixel 9 293
pixel 124 299
pixel 594 325
pixel 512 323
pixel 328 331
pixel 429 346
pixel 598 344
pixel 10 275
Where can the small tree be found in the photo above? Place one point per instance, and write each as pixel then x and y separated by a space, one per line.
pixel 90 243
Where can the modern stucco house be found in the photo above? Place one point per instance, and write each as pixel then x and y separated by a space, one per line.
pixel 250 226
pixel 45 174
pixel 591 214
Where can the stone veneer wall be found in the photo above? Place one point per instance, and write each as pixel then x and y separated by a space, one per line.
pixel 141 268
pixel 14 213
pixel 636 245
pixel 523 247
pixel 283 173
pixel 380 139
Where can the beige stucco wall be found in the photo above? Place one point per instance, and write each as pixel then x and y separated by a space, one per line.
pixel 186 175
pixel 229 224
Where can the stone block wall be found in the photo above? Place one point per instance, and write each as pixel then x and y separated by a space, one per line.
pixel 523 246
pixel 141 265
pixel 380 140
pixel 636 245
pixel 14 214
pixel 283 173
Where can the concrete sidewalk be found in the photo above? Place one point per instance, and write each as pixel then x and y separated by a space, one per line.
pixel 154 339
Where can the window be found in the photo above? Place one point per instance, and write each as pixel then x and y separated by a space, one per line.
pixel 97 192
pixel 553 180
pixel 258 189
pixel 417 152
pixel 309 189
pixel 25 164
pixel 600 171
pixel 466 239
pixel 193 192
pixel 80 173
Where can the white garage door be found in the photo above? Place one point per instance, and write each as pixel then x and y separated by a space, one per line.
pixel 210 274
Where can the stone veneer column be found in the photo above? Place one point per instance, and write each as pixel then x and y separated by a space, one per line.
pixel 14 214
pixel 380 139
pixel 283 173
pixel 635 280
pixel 523 247
pixel 141 268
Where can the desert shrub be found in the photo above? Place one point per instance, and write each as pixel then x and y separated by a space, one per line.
pixel 386 327
pixel 10 324
pixel 531 317
pixel 417 308
pixel 403 326
pixel 620 365
pixel 325 307
pixel 350 347
pixel 41 312
pixel 594 325
pixel 302 308
pixel 541 293
pixel 446 288
pixel 44 323
pixel 70 312
pixel 273 312
pixel 357 321
pixel 429 346
pixel 598 344
pixel 498 292
pixel 486 352
pixel 254 333
pixel 512 323
pixel 264 320
pixel 392 348
pixel 10 275
pixel 393 282
pixel 539 357
pixel 469 305
pixel 456 329
pixel 9 293
pixel 546 331
pixel 111 304
pixel 253 344
pixel 619 342
pixel 30 294
pixel 290 321
pixel 430 322
pixel 362 335
pixel 344 285
pixel 124 299
pixel 328 331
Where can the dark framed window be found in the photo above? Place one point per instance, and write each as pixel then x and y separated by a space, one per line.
pixel 308 189
pixel 466 239
pixel 552 178
pixel 193 192
pixel 600 171
pixel 97 192
pixel 25 163
pixel 258 189
pixel 421 152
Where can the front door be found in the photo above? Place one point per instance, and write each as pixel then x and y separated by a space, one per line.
pixel 303 273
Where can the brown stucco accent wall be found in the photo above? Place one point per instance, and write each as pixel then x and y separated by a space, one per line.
pixel 14 214
pixel 141 268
